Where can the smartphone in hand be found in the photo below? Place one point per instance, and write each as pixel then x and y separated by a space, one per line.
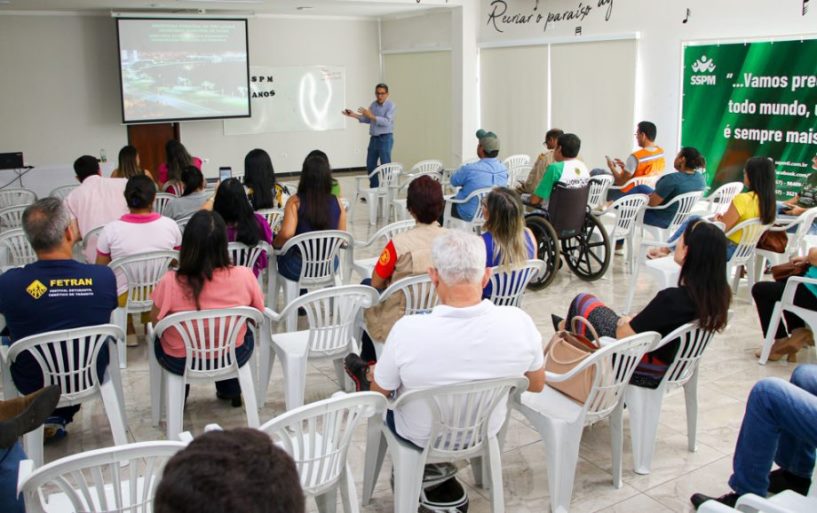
pixel 224 172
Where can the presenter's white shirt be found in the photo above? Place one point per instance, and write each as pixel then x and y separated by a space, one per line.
pixel 453 345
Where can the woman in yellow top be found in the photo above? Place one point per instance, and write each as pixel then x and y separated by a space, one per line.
pixel 757 202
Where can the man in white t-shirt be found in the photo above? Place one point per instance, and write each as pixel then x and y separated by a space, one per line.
pixel 463 339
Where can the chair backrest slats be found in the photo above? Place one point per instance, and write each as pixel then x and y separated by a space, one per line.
pixel 508 284
pixel 598 190
pixel 142 272
pixel 629 212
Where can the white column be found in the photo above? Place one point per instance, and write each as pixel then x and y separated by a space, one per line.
pixel 464 81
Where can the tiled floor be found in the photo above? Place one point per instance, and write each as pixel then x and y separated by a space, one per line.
pixel 727 373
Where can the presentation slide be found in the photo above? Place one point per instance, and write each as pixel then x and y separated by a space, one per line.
pixel 183 69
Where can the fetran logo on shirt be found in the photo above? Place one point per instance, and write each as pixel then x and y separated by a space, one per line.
pixel 36 289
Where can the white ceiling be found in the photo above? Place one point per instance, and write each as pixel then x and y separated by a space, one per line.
pixel 373 8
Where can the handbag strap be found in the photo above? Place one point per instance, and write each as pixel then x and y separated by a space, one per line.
pixel 587 328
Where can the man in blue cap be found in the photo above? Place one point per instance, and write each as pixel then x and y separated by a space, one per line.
pixel 488 171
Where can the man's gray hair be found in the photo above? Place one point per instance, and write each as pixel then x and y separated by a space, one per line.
pixel 459 257
pixel 44 223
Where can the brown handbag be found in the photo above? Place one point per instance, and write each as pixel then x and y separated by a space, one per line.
pixel 564 352
pixel 774 241
pixel 783 272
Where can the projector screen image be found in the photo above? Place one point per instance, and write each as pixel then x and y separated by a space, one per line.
pixel 182 69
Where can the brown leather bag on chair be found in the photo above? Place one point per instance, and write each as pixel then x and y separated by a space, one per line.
pixel 567 350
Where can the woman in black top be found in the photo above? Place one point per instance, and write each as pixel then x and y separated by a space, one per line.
pixel 702 295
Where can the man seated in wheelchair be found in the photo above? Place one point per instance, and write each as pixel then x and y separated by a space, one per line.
pixel 567 170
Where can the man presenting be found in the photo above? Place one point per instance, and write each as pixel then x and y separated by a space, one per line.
pixel 542 162
pixel 464 338
pixel 380 118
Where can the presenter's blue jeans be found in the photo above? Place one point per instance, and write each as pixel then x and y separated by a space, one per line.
pixel 10 458
pixel 780 425
pixel 379 150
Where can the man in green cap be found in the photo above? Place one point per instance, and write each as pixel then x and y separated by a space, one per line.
pixel 488 171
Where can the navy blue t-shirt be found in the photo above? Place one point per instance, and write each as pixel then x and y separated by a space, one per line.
pixel 53 295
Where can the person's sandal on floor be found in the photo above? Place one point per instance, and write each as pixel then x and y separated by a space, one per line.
pixel 21 415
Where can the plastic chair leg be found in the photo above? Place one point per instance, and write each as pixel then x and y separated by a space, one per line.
pixel 691 400
pixel 113 410
pixel 774 322
pixel 266 359
pixel 617 441
pixel 478 469
pixel 294 368
pixel 375 453
pixel 120 318
pixel 631 289
pixel 562 448
pixel 248 393
pixel 174 392
pixel 327 501
pixel 408 477
pixel 644 405
pixel 291 291
pixel 33 445
pixel 155 375
pixel 348 494
pixel 494 466
pixel 371 200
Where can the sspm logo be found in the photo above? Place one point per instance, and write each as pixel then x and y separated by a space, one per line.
pixel 701 66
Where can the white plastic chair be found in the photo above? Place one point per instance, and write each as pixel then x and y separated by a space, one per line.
pixel 62 192
pixel 560 420
pixel 16 197
pixel 718 202
pixel 246 256
pixel 12 217
pixel 683 204
pixel 331 314
pixel 475 223
pixel 365 266
pixel 432 168
pixel 319 252
pixel 68 359
pixel 460 418
pixel 209 338
pixel 650 180
pixel 626 215
pixel 786 304
pixel 274 217
pixel 88 239
pixel 15 249
pixel 518 174
pixel 182 222
pixel 419 297
pixel 796 240
pixel 520 159
pixel 508 285
pixel 318 436
pixel 161 200
pixel 744 255
pixel 644 404
pixel 121 478
pixel 142 272
pixel 598 191
pixel 387 175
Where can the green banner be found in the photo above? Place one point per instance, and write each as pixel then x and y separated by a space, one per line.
pixel 752 99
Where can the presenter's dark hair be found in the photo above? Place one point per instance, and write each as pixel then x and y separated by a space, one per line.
pixel 703 273
pixel 236 470
pixel 176 158
pixel 760 174
pixel 424 199
pixel 86 166
pixel 192 179
pixel 649 129
pixel 204 249
pixel 570 144
pixel 232 204
pixel 381 85
pixel 127 162
pixel 692 158
pixel 553 133
pixel 259 176
pixel 315 192
pixel 140 191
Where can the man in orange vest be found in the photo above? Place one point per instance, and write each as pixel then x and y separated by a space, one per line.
pixel 647 160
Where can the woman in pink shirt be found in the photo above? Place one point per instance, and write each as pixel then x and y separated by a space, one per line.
pixel 205 280
pixel 170 171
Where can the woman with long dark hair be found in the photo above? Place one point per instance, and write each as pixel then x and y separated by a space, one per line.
pixel 205 280
pixel 129 165
pixel 194 197
pixel 757 202
pixel 702 295
pixel 170 171
pixel 507 241
pixel 243 224
pixel 259 178
pixel 312 208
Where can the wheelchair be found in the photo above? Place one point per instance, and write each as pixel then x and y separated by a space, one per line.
pixel 569 231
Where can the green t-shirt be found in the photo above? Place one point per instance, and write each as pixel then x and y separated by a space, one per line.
pixel 570 172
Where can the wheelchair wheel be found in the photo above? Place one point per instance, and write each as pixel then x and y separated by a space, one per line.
pixel 547 249
pixel 588 253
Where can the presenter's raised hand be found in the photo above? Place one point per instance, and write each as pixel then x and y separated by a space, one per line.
pixel 363 111
pixel 349 113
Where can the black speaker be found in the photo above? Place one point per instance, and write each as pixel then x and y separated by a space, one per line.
pixel 11 160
